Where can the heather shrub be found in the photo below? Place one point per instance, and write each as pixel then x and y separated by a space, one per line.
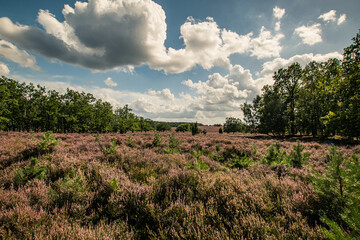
pixel 144 193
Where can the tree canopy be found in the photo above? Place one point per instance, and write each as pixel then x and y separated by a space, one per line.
pixel 25 107
pixel 321 99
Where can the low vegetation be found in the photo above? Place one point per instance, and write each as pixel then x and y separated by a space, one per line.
pixel 176 186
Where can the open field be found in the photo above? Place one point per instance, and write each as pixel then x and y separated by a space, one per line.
pixel 128 186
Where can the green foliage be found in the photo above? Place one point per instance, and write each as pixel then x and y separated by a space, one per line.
pixel 323 99
pixel 271 107
pixel 204 131
pixel 275 155
pixel 71 189
pixel 240 161
pixel 198 164
pixel 29 108
pixel 352 219
pixel 339 186
pixel 163 126
pixel 332 181
pixel 48 142
pixel 185 127
pixel 173 145
pixel 251 117
pixel 296 157
pixel 195 129
pixel 157 140
pixel 234 125
pixel 220 130
pixel 111 149
pixel 130 142
pixel 27 173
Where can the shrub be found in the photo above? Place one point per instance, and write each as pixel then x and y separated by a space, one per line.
pixel 173 145
pixel 195 129
pixel 296 157
pixel 197 165
pixel 275 155
pixel 220 130
pixel 111 149
pixel 27 173
pixel 240 161
pixel 185 127
pixel 157 140
pixel 130 142
pixel 48 142
pixel 163 126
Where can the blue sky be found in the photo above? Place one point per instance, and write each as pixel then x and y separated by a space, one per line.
pixel 169 60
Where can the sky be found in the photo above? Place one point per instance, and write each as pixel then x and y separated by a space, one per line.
pixel 170 60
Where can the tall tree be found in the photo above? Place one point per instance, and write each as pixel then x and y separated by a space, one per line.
pixel 287 82
pixel 350 89
pixel 271 112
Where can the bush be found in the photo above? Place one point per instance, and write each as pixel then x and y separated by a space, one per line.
pixel 111 149
pixel 163 126
pixel 157 140
pixel 197 165
pixel 195 129
pixel 296 157
pixel 48 142
pixel 130 142
pixel 185 127
pixel 173 145
pixel 27 173
pixel 275 155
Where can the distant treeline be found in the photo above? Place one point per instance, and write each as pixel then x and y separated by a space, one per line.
pixel 322 99
pixel 25 107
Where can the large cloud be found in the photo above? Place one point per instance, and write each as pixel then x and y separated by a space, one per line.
pixel 110 34
pixel 12 53
pixel 205 44
pixel 266 45
pixel 99 34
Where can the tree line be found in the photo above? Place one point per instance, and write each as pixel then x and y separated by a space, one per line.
pixel 321 99
pixel 25 107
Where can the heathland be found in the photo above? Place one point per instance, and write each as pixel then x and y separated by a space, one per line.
pixel 173 185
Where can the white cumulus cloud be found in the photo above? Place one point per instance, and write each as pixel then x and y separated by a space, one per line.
pixel 310 35
pixel 109 82
pixel 165 94
pixel 278 12
pixel 266 45
pixel 4 70
pixel 112 34
pixel 12 53
pixel 329 16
